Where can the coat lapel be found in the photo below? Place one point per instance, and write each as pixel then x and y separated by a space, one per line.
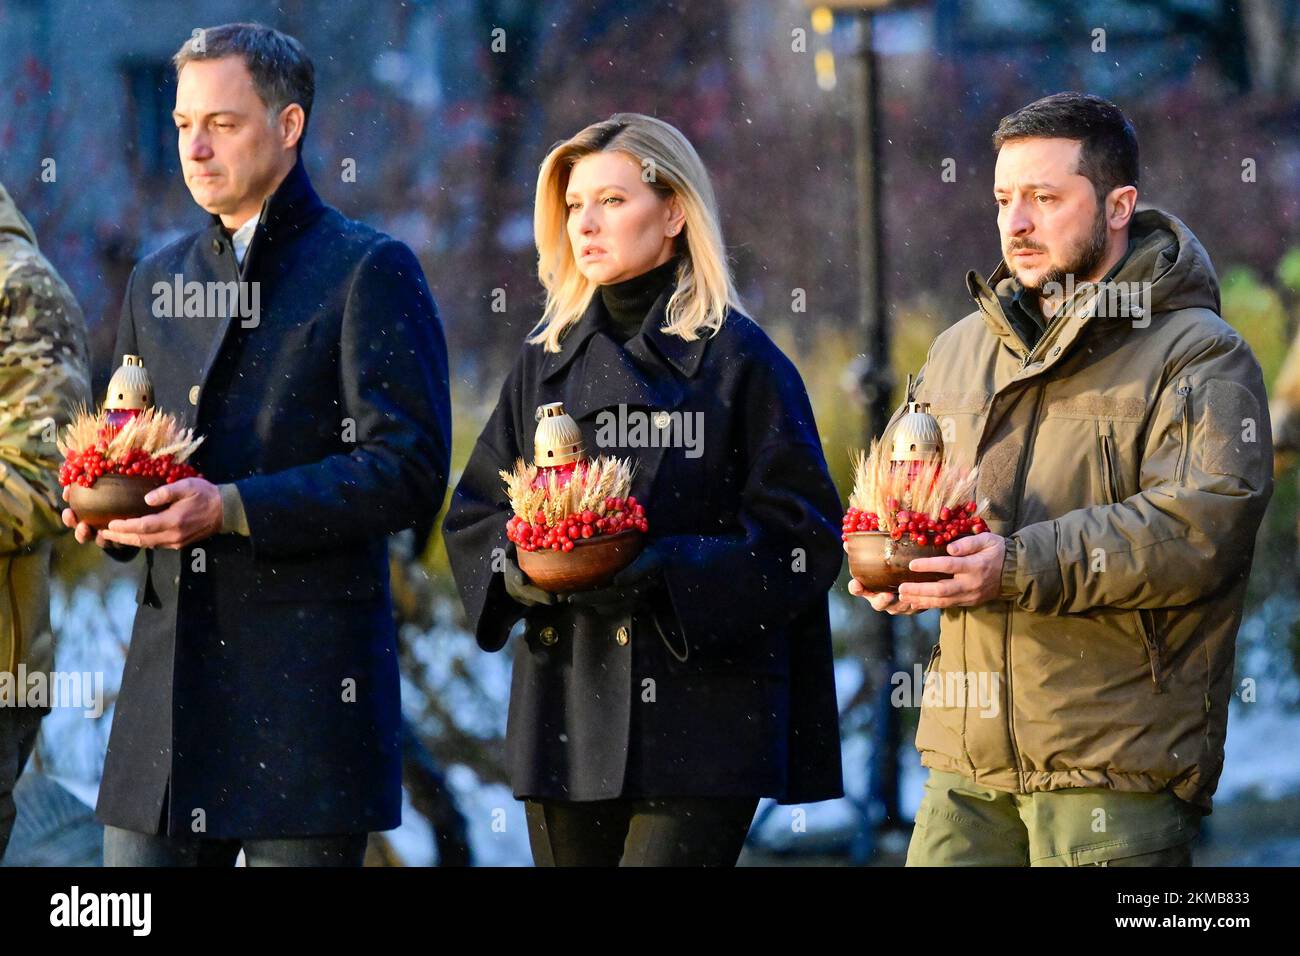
pixel 650 370
pixel 293 205
pixel 647 374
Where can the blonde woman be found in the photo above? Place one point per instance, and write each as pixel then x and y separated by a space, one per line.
pixel 647 719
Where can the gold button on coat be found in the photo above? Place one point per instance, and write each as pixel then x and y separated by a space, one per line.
pixel 194 394
pixel 548 636
pixel 622 636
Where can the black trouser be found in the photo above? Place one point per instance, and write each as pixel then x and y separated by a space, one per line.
pixel 19 727
pixel 131 848
pixel 657 831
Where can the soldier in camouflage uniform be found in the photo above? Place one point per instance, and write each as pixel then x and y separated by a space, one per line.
pixel 43 375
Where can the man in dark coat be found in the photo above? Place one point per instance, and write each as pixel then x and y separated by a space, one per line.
pixel 721 683
pixel 259 706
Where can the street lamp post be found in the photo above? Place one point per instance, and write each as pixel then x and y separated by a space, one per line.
pixel 876 382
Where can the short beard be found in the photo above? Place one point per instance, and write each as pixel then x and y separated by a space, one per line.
pixel 1082 261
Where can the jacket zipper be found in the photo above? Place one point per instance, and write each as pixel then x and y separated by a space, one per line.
pixel 1184 453
pixel 1146 623
pixel 1015 518
pixel 1108 468
pixel 929 664
pixel 1021 477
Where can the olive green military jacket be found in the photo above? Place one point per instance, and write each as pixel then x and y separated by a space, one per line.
pixel 1127 457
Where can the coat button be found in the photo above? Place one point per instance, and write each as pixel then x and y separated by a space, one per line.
pixel 548 636
pixel 622 636
pixel 216 246
pixel 194 394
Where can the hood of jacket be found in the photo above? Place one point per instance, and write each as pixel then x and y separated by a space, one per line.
pixel 1166 269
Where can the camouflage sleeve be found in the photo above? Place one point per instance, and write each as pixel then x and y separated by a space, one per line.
pixel 44 375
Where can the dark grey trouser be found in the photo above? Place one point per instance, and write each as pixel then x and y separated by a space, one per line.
pixel 19 727
pixel 658 831
pixel 129 848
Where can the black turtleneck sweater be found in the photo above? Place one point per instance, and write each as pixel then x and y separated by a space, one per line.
pixel 628 302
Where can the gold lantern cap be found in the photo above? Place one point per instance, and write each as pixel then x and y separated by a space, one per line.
pixel 917 436
pixel 558 439
pixel 130 387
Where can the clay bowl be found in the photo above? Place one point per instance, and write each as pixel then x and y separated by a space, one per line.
pixel 112 496
pixel 591 563
pixel 879 563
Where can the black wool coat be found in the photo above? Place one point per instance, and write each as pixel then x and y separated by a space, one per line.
pixel 262 677
pixel 600 706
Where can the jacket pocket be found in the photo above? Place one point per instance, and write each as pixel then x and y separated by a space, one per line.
pixel 1151 640
pixel 1106 457
pixel 1144 619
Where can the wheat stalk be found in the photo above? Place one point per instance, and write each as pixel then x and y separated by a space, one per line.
pixel 591 485
pixel 937 484
pixel 154 432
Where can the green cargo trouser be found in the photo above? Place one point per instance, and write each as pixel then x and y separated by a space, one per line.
pixel 961 823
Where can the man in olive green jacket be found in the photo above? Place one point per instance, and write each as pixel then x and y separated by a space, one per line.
pixel 44 374
pixel 1076 704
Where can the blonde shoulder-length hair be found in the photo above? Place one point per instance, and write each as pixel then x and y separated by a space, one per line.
pixel 704 285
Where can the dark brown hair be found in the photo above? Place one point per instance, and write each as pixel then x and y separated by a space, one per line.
pixel 1108 156
pixel 281 70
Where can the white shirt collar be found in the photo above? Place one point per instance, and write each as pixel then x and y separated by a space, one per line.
pixel 243 236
